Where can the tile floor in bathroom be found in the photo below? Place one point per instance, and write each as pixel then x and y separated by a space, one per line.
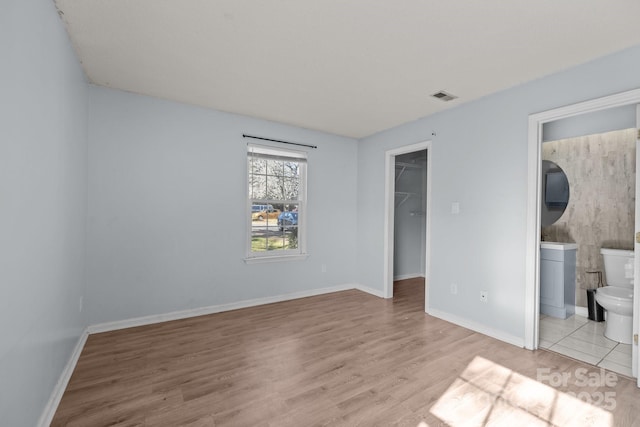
pixel 583 339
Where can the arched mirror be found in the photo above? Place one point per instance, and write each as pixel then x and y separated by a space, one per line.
pixel 555 193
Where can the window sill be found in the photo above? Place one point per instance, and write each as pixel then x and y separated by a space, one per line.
pixel 279 258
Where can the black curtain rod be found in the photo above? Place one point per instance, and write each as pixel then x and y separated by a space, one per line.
pixel 277 140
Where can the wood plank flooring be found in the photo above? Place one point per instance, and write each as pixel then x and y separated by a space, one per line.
pixel 341 359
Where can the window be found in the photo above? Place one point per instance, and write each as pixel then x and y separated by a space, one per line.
pixel 276 202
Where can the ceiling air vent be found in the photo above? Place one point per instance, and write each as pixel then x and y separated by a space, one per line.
pixel 444 96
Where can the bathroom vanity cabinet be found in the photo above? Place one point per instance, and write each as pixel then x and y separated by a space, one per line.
pixel 558 279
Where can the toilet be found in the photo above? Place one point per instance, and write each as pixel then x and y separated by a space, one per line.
pixel 617 296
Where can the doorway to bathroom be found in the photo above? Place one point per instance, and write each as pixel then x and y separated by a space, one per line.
pixel 406 243
pixel 538 125
pixel 587 204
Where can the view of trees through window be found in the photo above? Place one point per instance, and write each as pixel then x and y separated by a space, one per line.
pixel 275 184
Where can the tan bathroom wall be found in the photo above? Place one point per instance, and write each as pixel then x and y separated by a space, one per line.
pixel 601 211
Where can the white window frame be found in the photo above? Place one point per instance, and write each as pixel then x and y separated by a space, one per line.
pixel 283 254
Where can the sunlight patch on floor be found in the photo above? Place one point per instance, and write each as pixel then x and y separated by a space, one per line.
pixel 487 393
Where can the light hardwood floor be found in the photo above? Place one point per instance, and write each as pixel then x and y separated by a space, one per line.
pixel 340 359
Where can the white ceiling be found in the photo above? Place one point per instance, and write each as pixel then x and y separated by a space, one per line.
pixel 349 67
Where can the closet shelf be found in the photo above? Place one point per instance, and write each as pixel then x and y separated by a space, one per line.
pixel 403 167
pixel 405 196
pixel 407 165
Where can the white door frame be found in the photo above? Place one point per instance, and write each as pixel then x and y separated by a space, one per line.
pixel 532 281
pixel 389 195
pixel 635 363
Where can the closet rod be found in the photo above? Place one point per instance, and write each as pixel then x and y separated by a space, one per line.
pixel 277 140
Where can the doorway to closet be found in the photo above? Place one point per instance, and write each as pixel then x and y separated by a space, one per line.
pixel 407 221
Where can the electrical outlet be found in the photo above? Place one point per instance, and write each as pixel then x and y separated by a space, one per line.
pixel 484 296
pixel 80 304
pixel 323 269
pixel 454 288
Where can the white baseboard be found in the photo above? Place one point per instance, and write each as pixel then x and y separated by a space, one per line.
pixel 201 311
pixel 63 381
pixel 582 311
pixel 58 391
pixel 407 276
pixel 477 327
pixel 372 291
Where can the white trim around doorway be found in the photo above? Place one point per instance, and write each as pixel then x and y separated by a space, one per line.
pixel 390 212
pixel 536 122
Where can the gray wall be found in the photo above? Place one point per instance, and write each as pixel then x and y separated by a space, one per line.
pixel 167 215
pixel 479 158
pixel 591 123
pixel 42 206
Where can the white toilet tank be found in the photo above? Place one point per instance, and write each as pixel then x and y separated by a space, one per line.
pixel 618 267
